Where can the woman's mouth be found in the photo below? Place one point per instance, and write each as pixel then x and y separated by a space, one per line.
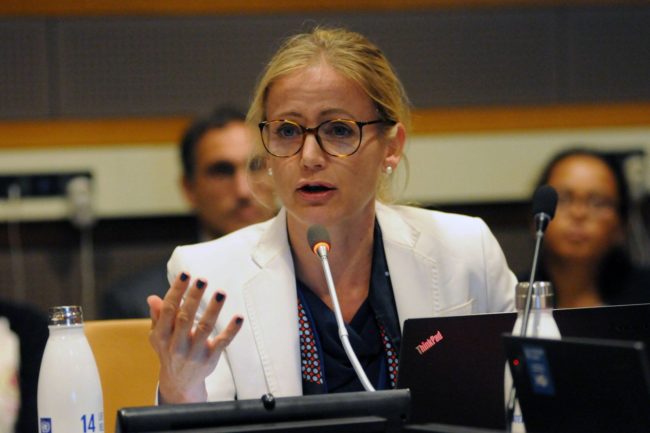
pixel 316 191
pixel 313 189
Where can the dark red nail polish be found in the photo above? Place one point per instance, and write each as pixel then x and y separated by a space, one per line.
pixel 184 276
pixel 239 320
pixel 219 297
pixel 200 284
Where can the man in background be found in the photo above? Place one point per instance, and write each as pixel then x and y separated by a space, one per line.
pixel 217 182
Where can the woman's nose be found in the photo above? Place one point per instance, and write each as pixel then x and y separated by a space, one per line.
pixel 312 155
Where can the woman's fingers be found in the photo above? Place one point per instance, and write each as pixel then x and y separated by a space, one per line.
pixel 175 293
pixel 205 325
pixel 155 304
pixel 183 344
pixel 223 339
pixel 182 336
pixel 171 304
pixel 203 346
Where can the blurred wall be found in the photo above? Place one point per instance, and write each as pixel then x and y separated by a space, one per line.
pixel 62 66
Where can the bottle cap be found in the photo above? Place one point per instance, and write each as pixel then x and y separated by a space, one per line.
pixel 66 315
pixel 542 295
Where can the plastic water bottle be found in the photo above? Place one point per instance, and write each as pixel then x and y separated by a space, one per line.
pixel 69 389
pixel 540 324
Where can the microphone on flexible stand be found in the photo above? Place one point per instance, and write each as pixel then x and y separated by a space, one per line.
pixel 544 204
pixel 319 242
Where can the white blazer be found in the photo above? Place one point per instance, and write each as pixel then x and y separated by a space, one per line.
pixel 440 264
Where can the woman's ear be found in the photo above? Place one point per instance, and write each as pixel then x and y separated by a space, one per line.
pixel 395 145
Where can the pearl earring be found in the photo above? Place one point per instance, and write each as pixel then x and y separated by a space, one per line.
pixel 389 170
pixel 270 171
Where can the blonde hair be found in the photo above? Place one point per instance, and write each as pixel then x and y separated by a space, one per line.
pixel 353 56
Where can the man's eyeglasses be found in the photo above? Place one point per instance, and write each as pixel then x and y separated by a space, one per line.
pixel 338 137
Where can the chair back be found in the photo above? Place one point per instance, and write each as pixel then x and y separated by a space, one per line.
pixel 128 366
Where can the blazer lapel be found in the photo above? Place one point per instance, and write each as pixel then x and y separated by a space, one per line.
pixel 413 270
pixel 271 303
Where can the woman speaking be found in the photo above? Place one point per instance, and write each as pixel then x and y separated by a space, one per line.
pixel 250 313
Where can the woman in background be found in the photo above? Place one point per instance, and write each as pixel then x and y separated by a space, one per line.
pixel 584 253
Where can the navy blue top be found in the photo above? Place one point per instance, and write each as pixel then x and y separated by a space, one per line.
pixel 377 312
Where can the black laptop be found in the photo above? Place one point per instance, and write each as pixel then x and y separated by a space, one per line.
pixel 454 366
pixel 615 322
pixel 580 385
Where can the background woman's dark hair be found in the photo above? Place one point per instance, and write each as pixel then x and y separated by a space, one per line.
pixel 613 163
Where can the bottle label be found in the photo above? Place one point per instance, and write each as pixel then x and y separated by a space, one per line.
pixel 539 371
pixel 46 425
pixel 89 423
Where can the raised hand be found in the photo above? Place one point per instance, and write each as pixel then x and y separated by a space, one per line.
pixel 186 351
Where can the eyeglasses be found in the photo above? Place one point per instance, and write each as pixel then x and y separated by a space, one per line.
pixel 592 202
pixel 338 137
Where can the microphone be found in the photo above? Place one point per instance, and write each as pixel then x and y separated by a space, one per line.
pixel 544 204
pixel 319 242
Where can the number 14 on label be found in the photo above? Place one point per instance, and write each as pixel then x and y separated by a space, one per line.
pixel 89 424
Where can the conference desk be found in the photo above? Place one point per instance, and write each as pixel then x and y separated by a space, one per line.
pixel 358 412
pixel 430 428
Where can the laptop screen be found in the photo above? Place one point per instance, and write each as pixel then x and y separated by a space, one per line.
pixel 616 322
pixel 580 385
pixel 454 366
